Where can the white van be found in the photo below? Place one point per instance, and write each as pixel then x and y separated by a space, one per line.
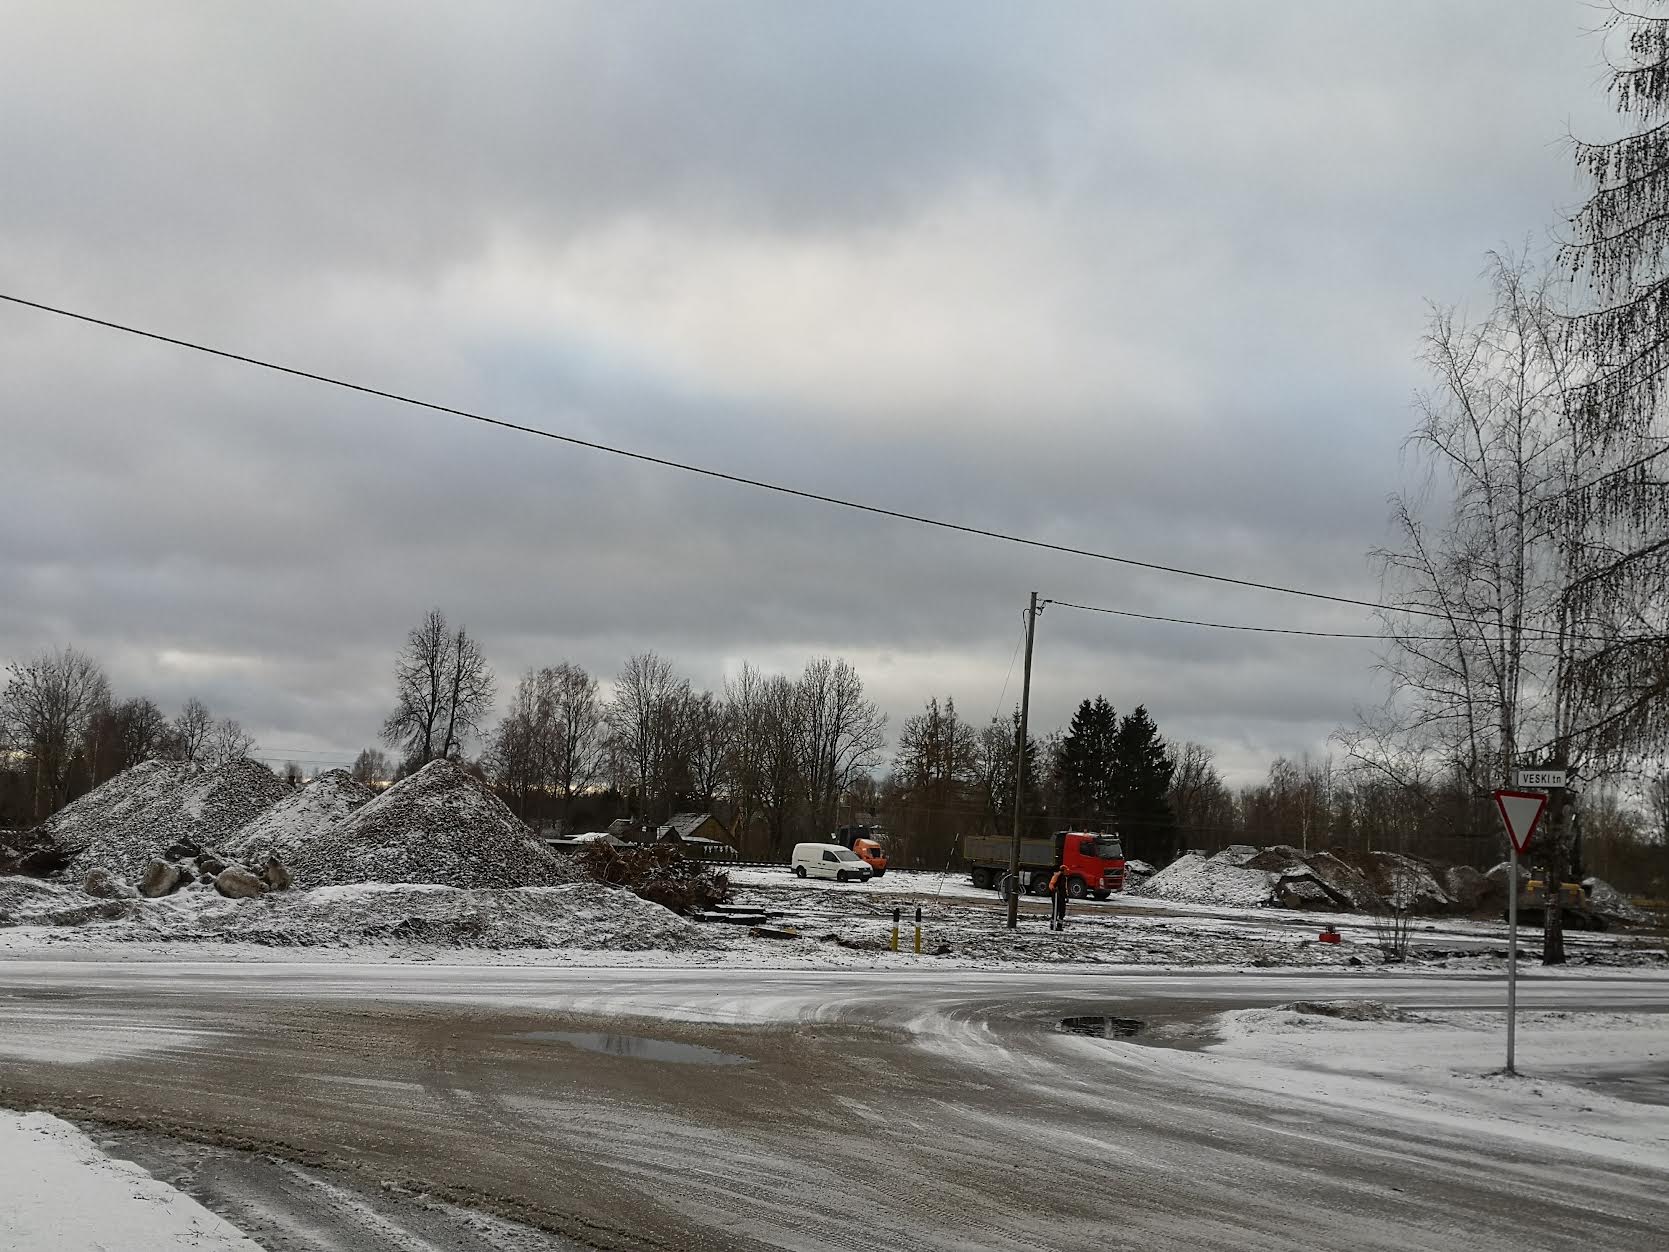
pixel 829 860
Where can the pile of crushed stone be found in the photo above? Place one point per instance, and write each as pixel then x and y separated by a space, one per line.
pixel 1219 879
pixel 1286 877
pixel 440 827
pixel 296 821
pixel 122 824
pixel 586 916
pixel 35 902
pixel 1607 901
pixel 577 915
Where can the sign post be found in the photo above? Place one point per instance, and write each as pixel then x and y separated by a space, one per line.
pixel 1520 811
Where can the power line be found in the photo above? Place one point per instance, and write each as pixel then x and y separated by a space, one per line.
pixel 1262 630
pixel 708 472
pixel 1538 631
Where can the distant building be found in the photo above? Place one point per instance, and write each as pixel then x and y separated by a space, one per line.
pixel 692 827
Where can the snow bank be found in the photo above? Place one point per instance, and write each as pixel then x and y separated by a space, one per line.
pixel 35 902
pixel 290 827
pixel 64 1195
pixel 1220 879
pixel 439 826
pixel 123 823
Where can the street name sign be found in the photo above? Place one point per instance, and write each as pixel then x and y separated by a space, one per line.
pixel 1538 778
pixel 1520 811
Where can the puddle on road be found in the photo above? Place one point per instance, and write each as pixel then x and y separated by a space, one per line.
pixel 1102 1027
pixel 639 1047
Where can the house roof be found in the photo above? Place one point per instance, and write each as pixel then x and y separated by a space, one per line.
pixel 686 824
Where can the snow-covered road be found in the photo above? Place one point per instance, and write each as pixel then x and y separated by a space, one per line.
pixel 885 1108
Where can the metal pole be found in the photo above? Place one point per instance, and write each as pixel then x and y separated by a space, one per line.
pixel 1512 951
pixel 1020 771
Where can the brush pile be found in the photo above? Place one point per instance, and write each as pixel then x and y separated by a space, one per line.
pixel 658 871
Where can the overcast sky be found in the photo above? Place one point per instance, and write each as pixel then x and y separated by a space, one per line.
pixel 1142 278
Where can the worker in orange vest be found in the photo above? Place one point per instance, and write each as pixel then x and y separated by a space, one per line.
pixel 1059 890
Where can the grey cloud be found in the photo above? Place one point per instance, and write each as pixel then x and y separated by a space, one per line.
pixel 1146 280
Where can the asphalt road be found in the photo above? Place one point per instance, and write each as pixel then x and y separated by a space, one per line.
pixel 851 1110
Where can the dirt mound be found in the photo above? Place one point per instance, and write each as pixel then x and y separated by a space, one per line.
pixel 301 817
pixel 1405 882
pixel 441 827
pixel 122 824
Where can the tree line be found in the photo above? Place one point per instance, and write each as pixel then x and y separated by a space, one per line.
pixel 63 731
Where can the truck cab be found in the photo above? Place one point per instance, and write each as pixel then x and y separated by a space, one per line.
pixel 1094 862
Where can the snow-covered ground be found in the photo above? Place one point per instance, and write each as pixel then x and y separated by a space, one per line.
pixel 60 1193
pixel 1601 1078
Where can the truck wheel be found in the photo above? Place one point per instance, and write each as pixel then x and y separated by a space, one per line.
pixel 1075 888
pixel 1102 895
pixel 840 875
pixel 1039 885
pixel 799 871
pixel 981 877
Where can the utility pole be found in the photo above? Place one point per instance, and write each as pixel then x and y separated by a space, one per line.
pixel 1013 880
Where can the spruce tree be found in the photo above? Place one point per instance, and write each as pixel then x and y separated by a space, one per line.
pixel 1139 790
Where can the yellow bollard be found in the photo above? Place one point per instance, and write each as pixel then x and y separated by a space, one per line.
pixel 895 914
pixel 918 930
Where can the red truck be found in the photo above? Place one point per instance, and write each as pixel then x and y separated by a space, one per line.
pixel 1094 862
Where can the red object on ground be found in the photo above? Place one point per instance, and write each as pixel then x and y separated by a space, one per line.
pixel 1329 936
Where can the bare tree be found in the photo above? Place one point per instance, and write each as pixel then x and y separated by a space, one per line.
pixel 443 687
pixel 292 774
pixel 745 711
pixel 781 778
pixel 517 759
pixel 370 767
pixel 842 734
pixel 1543 605
pixel 469 692
pixel 1202 804
pixel 191 730
pixel 708 735
pixel 576 731
pixel 47 706
pixel 227 741
pixel 642 718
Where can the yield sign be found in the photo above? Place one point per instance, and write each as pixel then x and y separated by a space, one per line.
pixel 1520 811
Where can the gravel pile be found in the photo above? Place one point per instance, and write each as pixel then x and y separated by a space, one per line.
pixel 299 819
pixel 584 916
pixel 440 826
pixel 121 825
pixel 1219 879
pixel 1607 901
pixel 32 902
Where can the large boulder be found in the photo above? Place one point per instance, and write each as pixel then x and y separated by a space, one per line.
pixel 1468 886
pixel 238 883
pixel 106 886
pixel 275 875
pixel 161 878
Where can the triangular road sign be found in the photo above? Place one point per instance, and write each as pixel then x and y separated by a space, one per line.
pixel 1520 811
